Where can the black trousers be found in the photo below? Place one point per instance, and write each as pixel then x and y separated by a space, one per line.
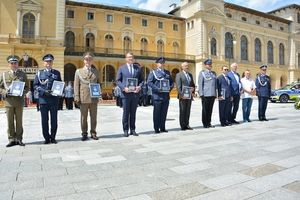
pixel 207 108
pixel 184 112
pixel 234 107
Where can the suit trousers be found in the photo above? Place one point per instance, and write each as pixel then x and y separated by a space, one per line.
pixel 160 110
pixel 262 107
pixel 45 109
pixel 234 107
pixel 129 104
pixel 13 114
pixel 224 110
pixel 84 109
pixel 207 108
pixel 184 112
pixel 69 103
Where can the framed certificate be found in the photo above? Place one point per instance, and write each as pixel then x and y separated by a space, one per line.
pixel 17 88
pixel 187 92
pixel 57 88
pixel 95 90
pixel 131 83
pixel 165 85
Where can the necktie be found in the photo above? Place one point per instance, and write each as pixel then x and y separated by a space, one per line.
pixel 188 77
pixel 14 73
pixel 131 72
pixel 226 78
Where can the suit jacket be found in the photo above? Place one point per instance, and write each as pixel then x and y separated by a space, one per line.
pixel 123 74
pixel 43 80
pixel 263 86
pixel 182 81
pixel 236 85
pixel 9 78
pixel 154 82
pixel 224 86
pixel 81 86
pixel 207 83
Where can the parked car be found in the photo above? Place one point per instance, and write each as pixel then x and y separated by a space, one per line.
pixel 286 93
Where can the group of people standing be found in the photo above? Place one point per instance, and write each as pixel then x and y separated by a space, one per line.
pixel 228 87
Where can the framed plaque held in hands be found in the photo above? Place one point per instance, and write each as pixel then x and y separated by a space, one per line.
pixel 17 88
pixel 165 85
pixel 95 90
pixel 187 92
pixel 131 83
pixel 223 93
pixel 57 88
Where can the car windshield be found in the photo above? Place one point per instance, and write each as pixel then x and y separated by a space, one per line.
pixel 287 87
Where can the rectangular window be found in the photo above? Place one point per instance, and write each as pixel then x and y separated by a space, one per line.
pixel 144 22
pixel 175 27
pixel 90 16
pixel 70 14
pixel 127 20
pixel 160 25
pixel 192 24
pixel 298 17
pixel 298 60
pixel 188 25
pixel 109 18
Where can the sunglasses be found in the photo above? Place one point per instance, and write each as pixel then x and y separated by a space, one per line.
pixel 226 69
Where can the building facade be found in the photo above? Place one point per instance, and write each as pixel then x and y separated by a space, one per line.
pixel 192 32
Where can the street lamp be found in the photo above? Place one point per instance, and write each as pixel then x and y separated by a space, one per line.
pixel 228 51
pixel 25 58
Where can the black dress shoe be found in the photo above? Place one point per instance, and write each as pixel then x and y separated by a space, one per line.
pixel 84 138
pixel 134 133
pixel 164 130
pixel 211 126
pixel 206 126
pixel 126 134
pixel 94 137
pixel 20 143
pixel 184 128
pixel 157 131
pixel 54 141
pixel 189 128
pixel 228 124
pixel 265 119
pixel 47 141
pixel 235 122
pixel 10 144
pixel 223 125
pixel 261 120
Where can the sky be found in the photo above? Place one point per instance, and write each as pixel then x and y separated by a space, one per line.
pixel 163 5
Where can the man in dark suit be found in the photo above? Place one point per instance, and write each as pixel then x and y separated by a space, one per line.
pixel 43 82
pixel 185 87
pixel 263 91
pixel 236 91
pixel 207 84
pixel 129 97
pixel 224 94
pixel 145 94
pixel 13 104
pixel 157 80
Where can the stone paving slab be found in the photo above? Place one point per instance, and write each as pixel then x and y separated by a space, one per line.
pixel 258 160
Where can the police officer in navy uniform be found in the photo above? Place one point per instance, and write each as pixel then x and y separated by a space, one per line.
pixel 263 92
pixel 160 99
pixel 43 83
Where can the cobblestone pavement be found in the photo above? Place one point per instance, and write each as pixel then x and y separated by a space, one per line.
pixel 258 160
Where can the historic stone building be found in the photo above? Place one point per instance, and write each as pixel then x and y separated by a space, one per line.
pixel 192 32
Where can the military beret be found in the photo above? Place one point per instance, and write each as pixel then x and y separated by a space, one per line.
pixel 12 58
pixel 264 67
pixel 48 57
pixel 208 62
pixel 160 60
pixel 88 55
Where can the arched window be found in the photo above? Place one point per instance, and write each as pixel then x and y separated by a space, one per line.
pixel 281 54
pixel 244 48
pixel 69 40
pixel 257 50
pixel 160 48
pixel 69 72
pixel 270 52
pixel 109 43
pixel 108 73
pixel 145 71
pixel 31 62
pixel 28 25
pixel 90 41
pixel 127 44
pixel 173 73
pixel 213 46
pixel 175 48
pixel 144 46
pixel 228 45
